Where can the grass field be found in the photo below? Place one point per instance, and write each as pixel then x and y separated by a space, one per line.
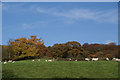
pixel 60 69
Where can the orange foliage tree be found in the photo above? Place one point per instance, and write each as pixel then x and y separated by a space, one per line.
pixel 23 47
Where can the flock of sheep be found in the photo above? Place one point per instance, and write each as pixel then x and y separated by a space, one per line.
pixel 96 59
pixel 45 60
pixel 86 59
pixel 8 61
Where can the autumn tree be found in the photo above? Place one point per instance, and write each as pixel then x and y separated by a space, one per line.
pixel 71 49
pixel 58 50
pixel 34 47
pixel 26 47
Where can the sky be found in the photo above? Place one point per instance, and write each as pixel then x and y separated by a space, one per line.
pixel 60 22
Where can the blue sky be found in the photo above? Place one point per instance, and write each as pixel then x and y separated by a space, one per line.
pixel 90 22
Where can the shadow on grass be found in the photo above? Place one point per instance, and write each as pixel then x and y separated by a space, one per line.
pixel 6 74
pixel 61 79
pixel 9 75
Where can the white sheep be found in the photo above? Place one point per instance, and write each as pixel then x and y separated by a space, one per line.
pixel 107 59
pixel 45 60
pixel 117 59
pixel 76 60
pixel 38 59
pixel 5 62
pixel 87 59
pixel 13 62
pixel 114 59
pixel 10 61
pixel 94 59
pixel 70 59
pixel 33 60
pixel 50 60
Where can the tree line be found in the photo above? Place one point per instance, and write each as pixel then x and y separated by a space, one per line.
pixel 24 48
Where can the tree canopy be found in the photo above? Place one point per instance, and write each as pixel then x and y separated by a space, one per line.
pixel 34 47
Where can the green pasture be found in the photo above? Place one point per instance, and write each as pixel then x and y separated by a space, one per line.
pixel 60 69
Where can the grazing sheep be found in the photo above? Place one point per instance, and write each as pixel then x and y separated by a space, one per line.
pixel 13 62
pixel 45 60
pixel 117 59
pixel 38 59
pixel 5 62
pixel 87 59
pixel 114 59
pixel 70 59
pixel 107 59
pixel 76 60
pixel 33 60
pixel 49 60
pixel 94 59
pixel 10 61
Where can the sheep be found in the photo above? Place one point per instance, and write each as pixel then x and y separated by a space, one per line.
pixel 107 59
pixel 76 60
pixel 94 59
pixel 5 62
pixel 87 59
pixel 114 59
pixel 45 60
pixel 117 59
pixel 50 60
pixel 38 59
pixel 13 62
pixel 70 59
pixel 10 61
pixel 33 60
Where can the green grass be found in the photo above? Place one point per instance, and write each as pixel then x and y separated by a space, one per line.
pixel 61 69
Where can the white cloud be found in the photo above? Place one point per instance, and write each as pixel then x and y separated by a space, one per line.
pixel 89 14
pixel 68 16
pixel 109 16
pixel 14 7
pixel 71 15
pixel 33 25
